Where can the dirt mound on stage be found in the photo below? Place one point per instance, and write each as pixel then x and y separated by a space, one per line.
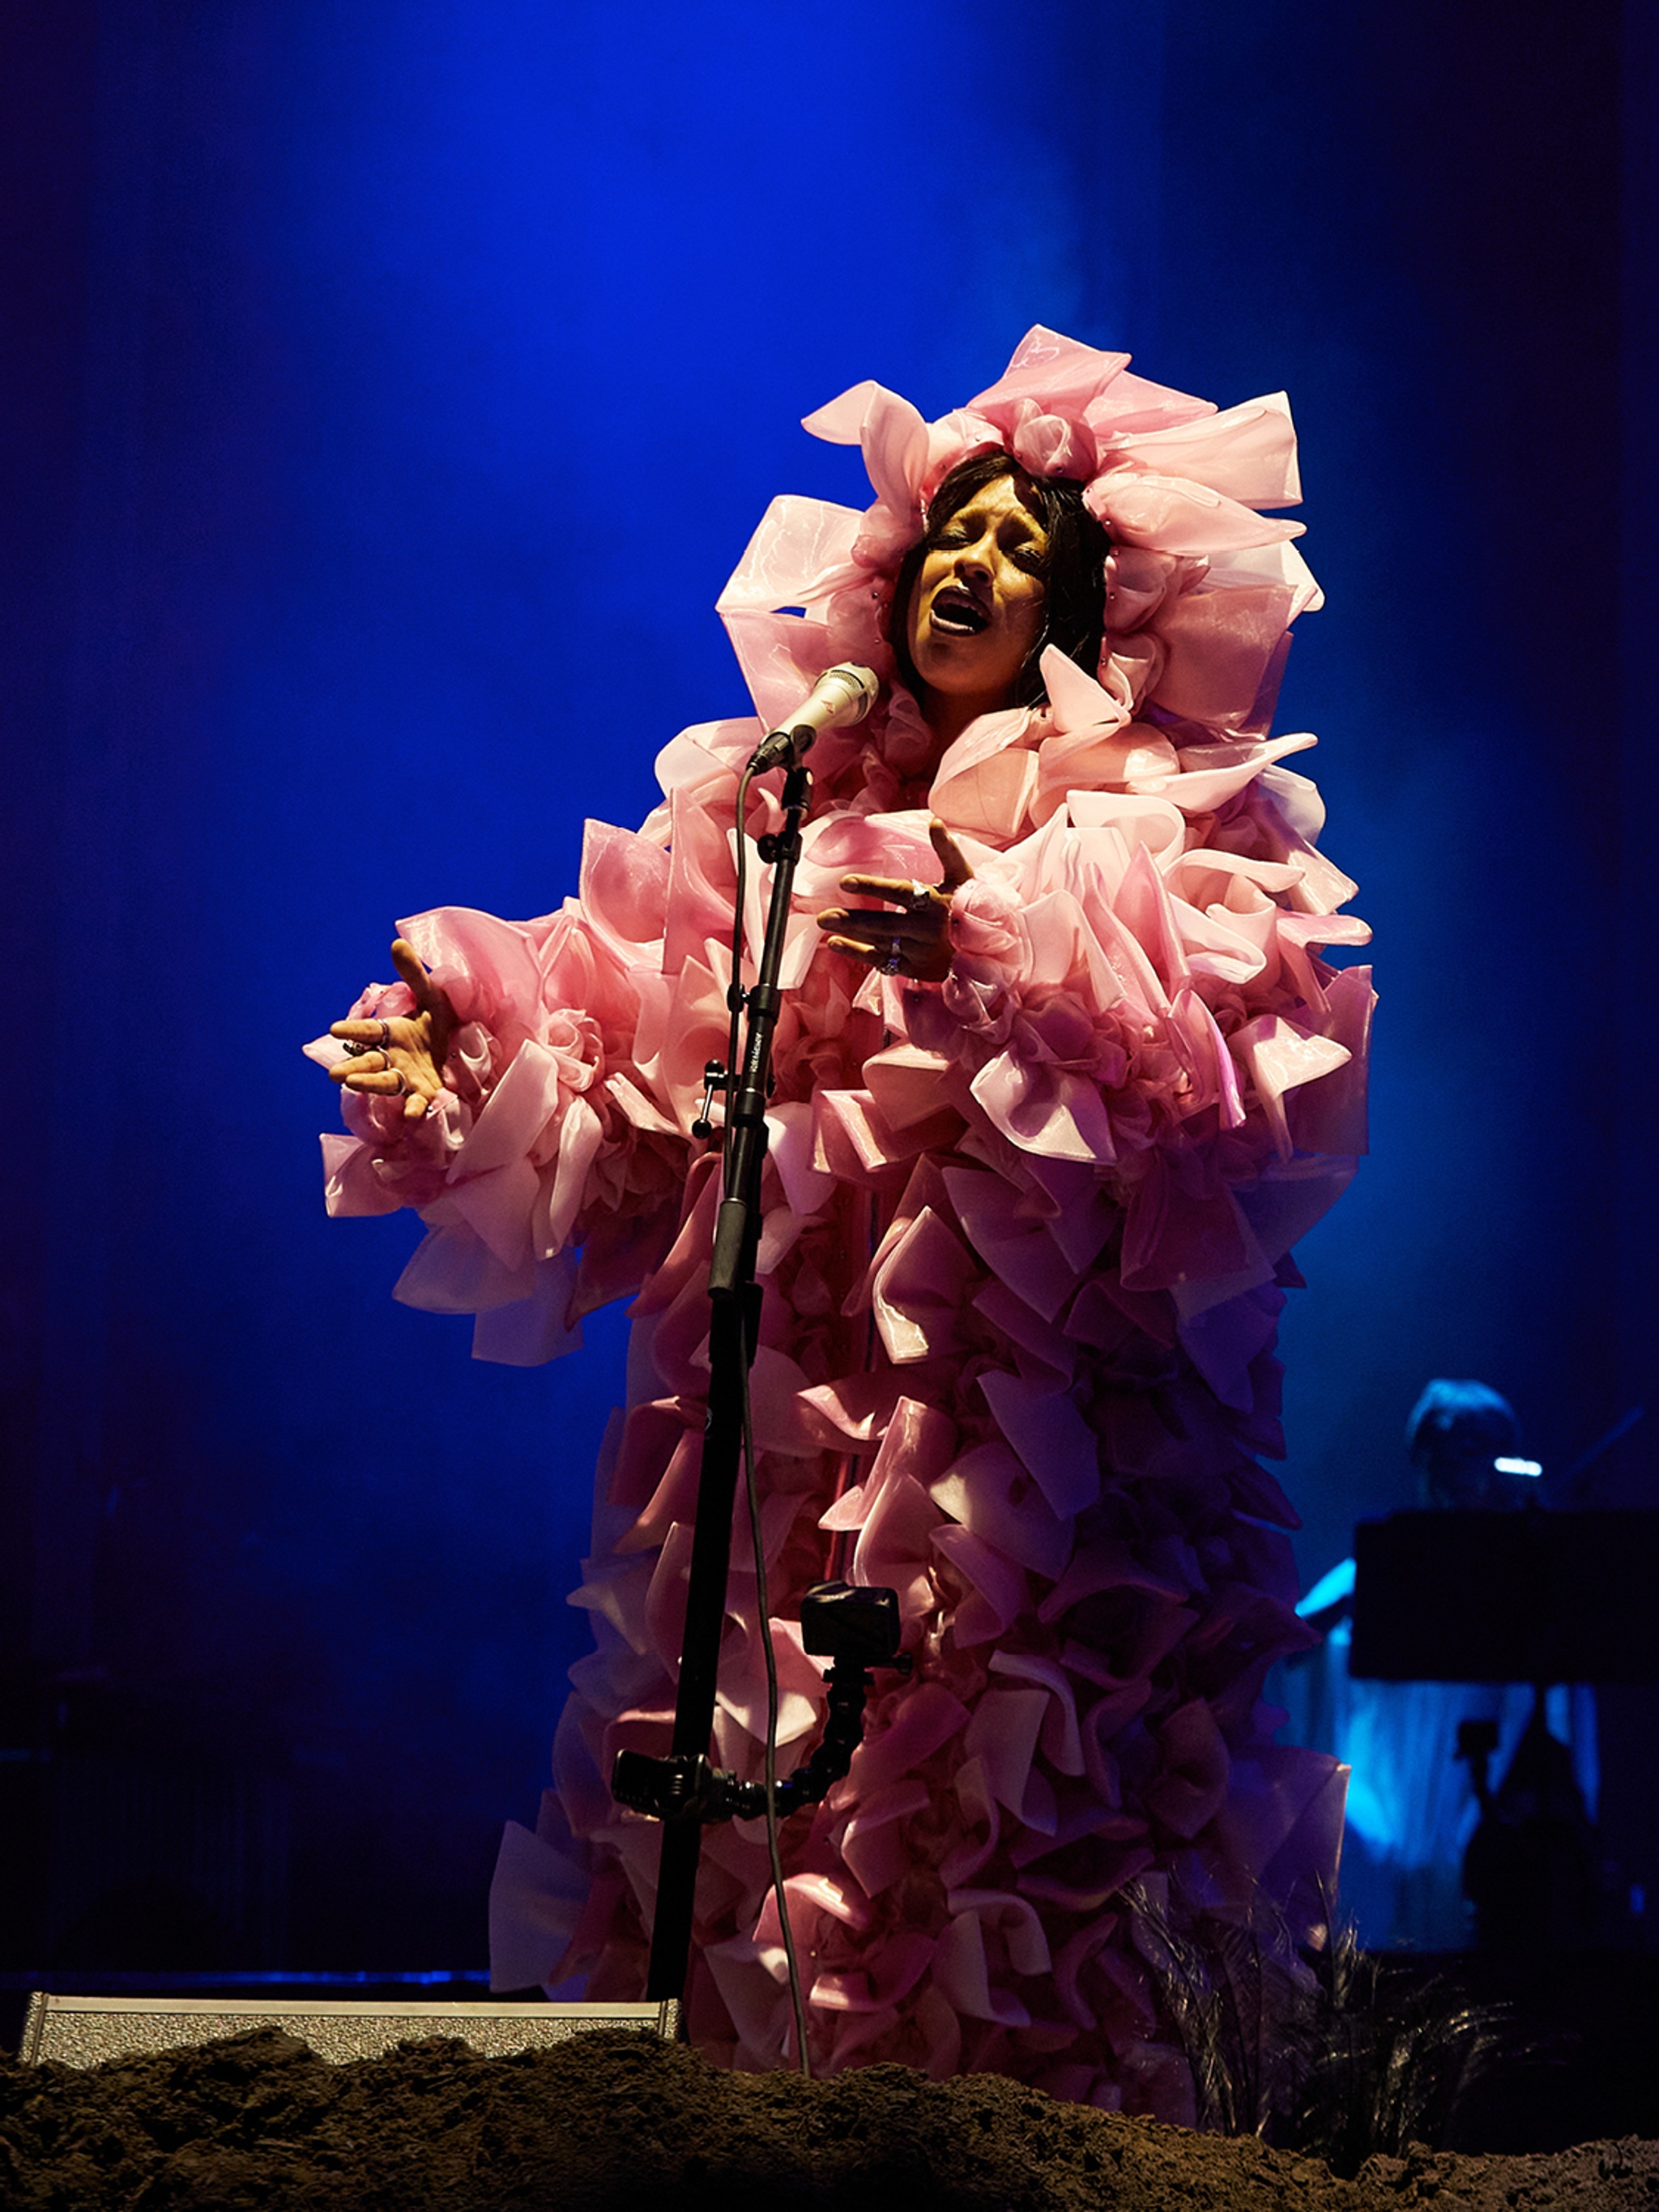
pixel 621 2121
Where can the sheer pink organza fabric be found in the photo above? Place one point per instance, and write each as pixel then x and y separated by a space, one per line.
pixel 1026 1241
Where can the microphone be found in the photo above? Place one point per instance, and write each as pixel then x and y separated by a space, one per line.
pixel 843 694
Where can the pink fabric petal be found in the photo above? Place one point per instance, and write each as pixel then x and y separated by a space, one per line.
pixel 1279 1055
pixel 1271 564
pixel 1108 1717
pixel 654 1473
pixel 775 1385
pixel 350 1184
pixel 892 433
pixel 1077 701
pixel 528 1332
pixel 1107 1564
pixel 918 1442
pixel 1141 819
pixel 893 1546
pixel 1328 1113
pixel 1177 515
pixel 873 1840
pixel 789 1129
pixel 1078 1210
pixel 1121 758
pixel 1073 1959
pixel 1178 1236
pixel 1062 1746
pixel 1012 1243
pixel 1220 647
pixel 1012 1918
pixel 895 1967
pixel 1058 370
pixel 1003 1736
pixel 624 887
pixel 781 657
pixel 854 1410
pixel 1129 402
pixel 963 1972
pixel 536 1898
pixel 580 1135
pixel 1248 451
pixel 988 1490
pixel 853 1139
pixel 908 1083
pixel 1043 1355
pixel 490 968
pixel 802 551
pixel 902 1732
pixel 922 1289
pixel 1051 1438
pixel 897 1516
pixel 978 1829
pixel 1049 1110
pixel 453 1271
pixel 1223 1342
pixel 1200 787
pixel 994 1592
pixel 1192 1787
pixel 987 797
pixel 1281 1788
pixel 742 1681
pixel 757 2010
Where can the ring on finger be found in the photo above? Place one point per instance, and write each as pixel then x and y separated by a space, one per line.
pixel 356 1051
pixel 894 957
pixel 402 1081
pixel 386 1036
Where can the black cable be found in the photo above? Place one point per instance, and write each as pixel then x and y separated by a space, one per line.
pixel 774 1848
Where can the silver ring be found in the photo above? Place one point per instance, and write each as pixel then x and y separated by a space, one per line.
pixel 386 1036
pixel 920 895
pixel 402 1081
pixel 894 957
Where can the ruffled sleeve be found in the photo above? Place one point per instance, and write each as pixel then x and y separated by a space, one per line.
pixel 548 1138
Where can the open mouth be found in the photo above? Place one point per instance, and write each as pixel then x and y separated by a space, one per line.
pixel 958 612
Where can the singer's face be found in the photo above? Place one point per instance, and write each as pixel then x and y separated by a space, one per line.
pixel 977 607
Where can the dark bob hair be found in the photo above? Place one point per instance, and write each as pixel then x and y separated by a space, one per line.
pixel 1074 572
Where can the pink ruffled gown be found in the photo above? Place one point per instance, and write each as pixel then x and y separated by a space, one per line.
pixel 1026 1236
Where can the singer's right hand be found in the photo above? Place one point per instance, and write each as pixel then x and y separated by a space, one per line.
pixel 407 1051
pixel 915 942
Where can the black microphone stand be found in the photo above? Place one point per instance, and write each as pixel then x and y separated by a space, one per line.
pixel 860 1627
pixel 733 1334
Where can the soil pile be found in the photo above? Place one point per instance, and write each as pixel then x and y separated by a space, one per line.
pixel 611 2121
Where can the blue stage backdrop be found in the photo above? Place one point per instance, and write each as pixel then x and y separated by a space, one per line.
pixel 403 382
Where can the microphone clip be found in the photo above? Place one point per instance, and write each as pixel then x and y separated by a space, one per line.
pixel 782 748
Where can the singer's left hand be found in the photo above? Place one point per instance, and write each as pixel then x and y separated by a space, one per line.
pixel 914 942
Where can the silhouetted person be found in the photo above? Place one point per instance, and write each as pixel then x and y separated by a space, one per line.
pixel 1412 1814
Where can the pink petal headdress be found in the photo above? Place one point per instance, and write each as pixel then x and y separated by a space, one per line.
pixel 1201 585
